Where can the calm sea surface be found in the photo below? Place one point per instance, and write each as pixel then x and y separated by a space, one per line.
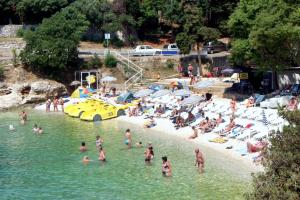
pixel 49 166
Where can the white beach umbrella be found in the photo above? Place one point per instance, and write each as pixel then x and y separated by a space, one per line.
pixel 108 79
pixel 182 92
pixel 204 84
pixel 143 93
pixel 192 100
pixel 161 93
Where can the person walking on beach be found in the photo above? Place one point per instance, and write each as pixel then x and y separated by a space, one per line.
pixel 199 160
pixel 61 103
pixel 128 138
pixel 102 156
pixel 166 167
pixel 55 104
pixel 48 105
pixel 195 133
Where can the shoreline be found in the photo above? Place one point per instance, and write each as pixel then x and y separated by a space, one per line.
pixel 166 127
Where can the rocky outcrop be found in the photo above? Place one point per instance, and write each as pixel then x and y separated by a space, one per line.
pixel 14 95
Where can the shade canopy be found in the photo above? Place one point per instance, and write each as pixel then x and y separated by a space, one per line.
pixel 108 79
pixel 74 83
pixel 192 100
pixel 204 84
pixel 143 93
pixel 182 92
pixel 160 93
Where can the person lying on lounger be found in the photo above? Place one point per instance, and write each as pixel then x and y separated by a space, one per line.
pixel 292 105
pixel 205 125
pixel 250 102
pixel 179 121
pixel 229 127
pixel 258 146
pixel 150 123
pixel 190 118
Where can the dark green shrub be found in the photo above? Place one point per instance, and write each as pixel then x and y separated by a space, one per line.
pixel 117 43
pixel 94 62
pixel 21 32
pixel 1 72
pixel 110 61
pixel 170 64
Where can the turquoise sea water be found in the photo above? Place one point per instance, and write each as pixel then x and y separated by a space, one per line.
pixel 49 166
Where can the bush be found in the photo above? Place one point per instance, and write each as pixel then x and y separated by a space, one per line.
pixel 170 64
pixel 117 43
pixel 95 62
pixel 110 61
pixel 1 72
pixel 21 32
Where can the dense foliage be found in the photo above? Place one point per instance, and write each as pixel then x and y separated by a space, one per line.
pixel 110 61
pixel 52 47
pixel 281 177
pixel 266 33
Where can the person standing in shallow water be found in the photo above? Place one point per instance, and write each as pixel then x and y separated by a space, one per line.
pixel 23 116
pixel 199 160
pixel 83 148
pixel 128 138
pixel 166 166
pixel 102 156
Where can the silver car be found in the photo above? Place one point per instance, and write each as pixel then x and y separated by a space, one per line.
pixel 145 50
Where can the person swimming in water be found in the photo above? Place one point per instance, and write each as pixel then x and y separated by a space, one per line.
pixel 139 144
pixel 166 166
pixel 149 154
pixel 35 128
pixel 99 141
pixel 102 156
pixel 128 138
pixel 40 130
pixel 83 148
pixel 199 160
pixel 86 160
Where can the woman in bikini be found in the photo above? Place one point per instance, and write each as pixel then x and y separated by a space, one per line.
pixel 166 167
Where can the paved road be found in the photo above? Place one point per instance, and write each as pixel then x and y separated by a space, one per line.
pixel 127 52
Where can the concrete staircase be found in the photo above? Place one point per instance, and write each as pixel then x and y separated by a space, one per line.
pixel 128 67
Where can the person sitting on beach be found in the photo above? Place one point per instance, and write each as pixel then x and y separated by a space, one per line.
pixel 55 104
pixel 99 141
pixel 166 166
pixel 61 103
pixel 179 121
pixel 195 133
pixel 233 104
pixel 83 148
pixel 250 102
pixel 23 116
pixel 204 125
pixel 150 123
pixel 149 154
pixel 292 104
pixel 190 118
pixel 199 160
pixel 35 128
pixel 258 146
pixel 174 114
pixel 48 105
pixel 159 111
pixel 230 126
pixel 139 144
pixel 86 160
pixel 128 138
pixel 102 156
pixel 218 121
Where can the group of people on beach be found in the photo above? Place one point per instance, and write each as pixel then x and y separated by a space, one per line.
pixel 56 102
pixel 148 154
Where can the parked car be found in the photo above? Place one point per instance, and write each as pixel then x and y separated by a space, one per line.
pixel 170 49
pixel 215 46
pixel 145 50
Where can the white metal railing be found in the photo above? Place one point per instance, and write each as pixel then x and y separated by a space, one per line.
pixel 137 69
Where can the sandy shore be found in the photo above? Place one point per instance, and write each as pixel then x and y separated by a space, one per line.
pixel 165 126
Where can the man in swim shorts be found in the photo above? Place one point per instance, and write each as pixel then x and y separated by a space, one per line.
pixel 199 160
pixel 128 138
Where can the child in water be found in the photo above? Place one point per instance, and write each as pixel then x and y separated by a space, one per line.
pixel 83 148
pixel 102 156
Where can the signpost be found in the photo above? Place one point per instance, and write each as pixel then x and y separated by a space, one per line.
pixel 107 37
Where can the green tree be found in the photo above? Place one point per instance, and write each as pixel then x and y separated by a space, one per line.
pixel 184 42
pixel 52 48
pixel 271 28
pixel 281 176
